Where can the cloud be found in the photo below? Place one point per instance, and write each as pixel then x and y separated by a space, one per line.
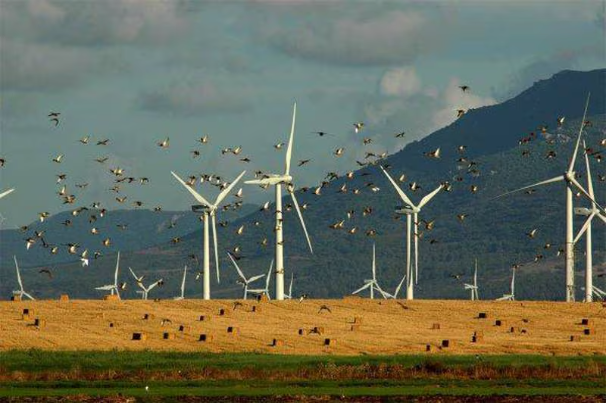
pixel 453 99
pixel 401 81
pixel 387 38
pixel 192 100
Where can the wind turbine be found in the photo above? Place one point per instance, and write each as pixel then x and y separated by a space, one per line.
pixel 278 180
pixel 473 287
pixel 21 293
pixel 289 295
pixel 586 229
pixel 412 213
pixel 267 281
pixel 372 285
pixel 7 192
pixel 182 296
pixel 511 296
pixel 209 210
pixel 113 288
pixel 245 281
pixel 145 290
pixel 569 177
pixel 395 294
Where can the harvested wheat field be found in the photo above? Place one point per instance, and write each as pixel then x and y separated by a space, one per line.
pixel 352 326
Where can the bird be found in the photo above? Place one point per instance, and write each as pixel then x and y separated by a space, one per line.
pixel 532 233
pixel 303 162
pixel 203 139
pixel 473 188
pixel 464 88
pixel 561 120
pixel 324 308
pixel 400 134
pixel 58 158
pixel 106 242
pixel 164 143
pixel 47 272
pixel 462 217
pixel 302 297
pixel 460 112
pixel 278 146
pixel 433 154
pixel 339 151
pixel 461 148
pixel 84 140
pixel 358 126
pixel 237 304
pixel 101 160
pixel 164 322
pixel 103 142
pixel 240 230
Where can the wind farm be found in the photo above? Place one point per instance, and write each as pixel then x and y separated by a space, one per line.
pixel 315 201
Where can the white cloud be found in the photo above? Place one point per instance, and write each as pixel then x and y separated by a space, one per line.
pixel 402 81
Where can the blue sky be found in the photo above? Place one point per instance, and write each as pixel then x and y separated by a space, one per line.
pixel 139 71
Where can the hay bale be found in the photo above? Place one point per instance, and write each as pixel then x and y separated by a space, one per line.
pixel 524 331
pixel 319 329
pixel 205 338
pixel 262 298
pixel 256 308
pixel 233 330
pixel 64 297
pixel 575 338
pixel 435 326
pixel 478 336
pixel 168 336
pixel 112 325
pixel 39 322
pixel 429 348
pixel 589 331
pixel 355 328
pixel 223 312
pixel 16 298
pixel 27 311
pixel 330 342
pixel 514 329
pixel 148 316
pixel 447 343
pixel 139 336
pixel 184 328
pixel 357 320
pixel 587 322
pixel 483 315
pixel 500 322
pixel 277 343
pixel 204 318
pixel 301 332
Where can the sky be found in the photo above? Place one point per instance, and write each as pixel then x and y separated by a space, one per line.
pixel 139 71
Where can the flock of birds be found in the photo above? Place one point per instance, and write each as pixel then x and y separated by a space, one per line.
pixel 121 179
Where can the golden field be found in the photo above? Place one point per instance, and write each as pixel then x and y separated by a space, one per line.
pixel 387 326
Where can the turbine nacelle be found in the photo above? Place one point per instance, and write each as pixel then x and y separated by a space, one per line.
pixel 584 211
pixel 407 210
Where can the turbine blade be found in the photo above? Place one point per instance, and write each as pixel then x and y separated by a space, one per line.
pixel 216 244
pixel 117 268
pixel 374 265
pixel 133 273
pixel 183 281
pixel 6 193
pixel 255 278
pixel 292 277
pixel 18 274
pixel 576 147
pixel 578 185
pixel 545 182
pixel 196 195
pixel 296 203
pixel 257 181
pixel 395 294
pixel 228 189
pixel 362 288
pixel 236 266
pixel 588 168
pixel 398 188
pixel 430 196
pixel 268 279
pixel 602 217
pixel 584 227
pixel 290 140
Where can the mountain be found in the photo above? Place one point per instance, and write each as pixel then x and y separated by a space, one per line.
pixel 494 231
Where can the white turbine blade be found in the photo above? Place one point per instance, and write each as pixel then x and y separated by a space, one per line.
pixel 602 217
pixel 589 180
pixel 398 188
pixel 576 147
pixel 545 182
pixel 215 244
pixel 378 288
pixel 428 197
pixel 584 227
pixel 292 277
pixel 290 140
pixel 513 282
pixel 105 288
pixel 28 296
pixel 237 267
pixel 296 203
pixel 196 195
pixel 578 185
pixel 362 288
pixel 265 181
pixel 395 294
pixel 117 268
pixel 255 278
pixel 183 281
pixel 154 285
pixel 374 265
pixel 18 274
pixel 6 193
pixel 268 278
pixel 228 189
pixel 133 273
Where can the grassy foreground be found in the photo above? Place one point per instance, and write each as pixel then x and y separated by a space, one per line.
pixel 92 373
